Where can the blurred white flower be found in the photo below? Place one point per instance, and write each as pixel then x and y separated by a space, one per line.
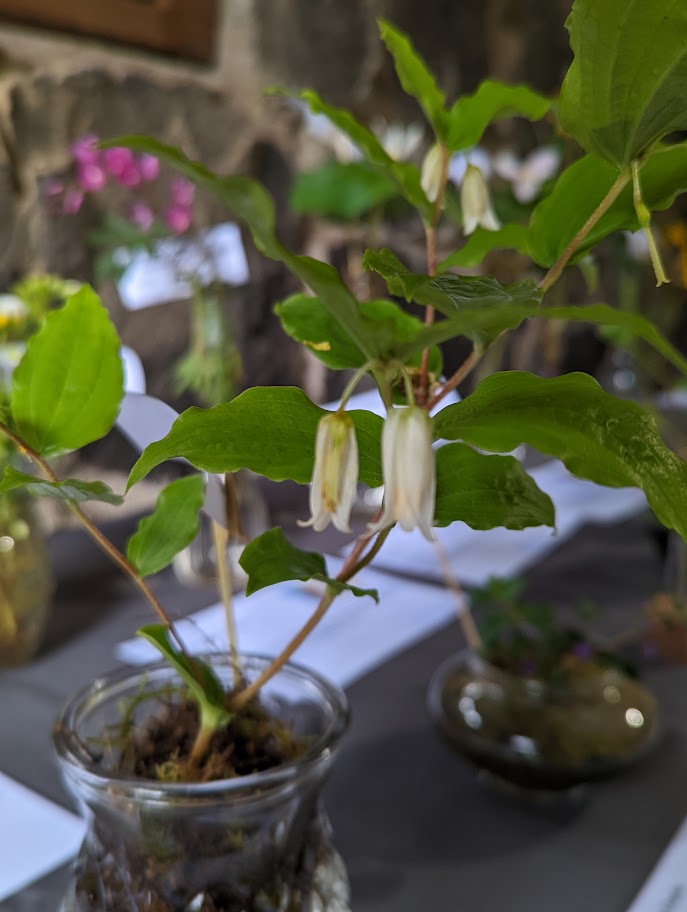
pixel 12 310
pixel 637 245
pixel 320 128
pixel 459 162
pixel 399 141
pixel 527 175
pixel 475 201
pixel 409 471
pixel 10 355
pixel 335 473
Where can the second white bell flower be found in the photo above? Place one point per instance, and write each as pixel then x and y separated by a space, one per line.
pixel 475 201
pixel 409 471
pixel 335 473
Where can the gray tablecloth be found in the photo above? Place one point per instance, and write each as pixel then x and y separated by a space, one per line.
pixel 416 828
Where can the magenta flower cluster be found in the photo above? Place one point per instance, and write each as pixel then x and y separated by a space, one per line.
pixel 97 168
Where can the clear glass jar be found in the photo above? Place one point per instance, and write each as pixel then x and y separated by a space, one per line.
pixel 547 736
pixel 26 582
pixel 254 843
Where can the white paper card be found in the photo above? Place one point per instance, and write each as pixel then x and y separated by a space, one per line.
pixel 355 635
pixel 36 836
pixel 666 888
pixel 476 556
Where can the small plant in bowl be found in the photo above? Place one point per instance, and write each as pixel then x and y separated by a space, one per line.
pixel 541 706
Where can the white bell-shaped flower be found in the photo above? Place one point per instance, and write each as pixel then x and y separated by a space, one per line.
pixel 335 473
pixel 430 175
pixel 476 202
pixel 527 176
pixel 409 471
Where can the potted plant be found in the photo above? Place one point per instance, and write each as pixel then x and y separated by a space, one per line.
pixel 540 707
pixel 170 829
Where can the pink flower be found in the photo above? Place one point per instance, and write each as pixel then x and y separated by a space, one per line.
pixel 90 176
pixel 84 150
pixel 72 201
pixel 149 167
pixel 53 187
pixel 182 192
pixel 142 215
pixel 117 160
pixel 178 218
pixel 130 176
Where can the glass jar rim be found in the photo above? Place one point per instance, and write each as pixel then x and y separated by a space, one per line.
pixel 74 758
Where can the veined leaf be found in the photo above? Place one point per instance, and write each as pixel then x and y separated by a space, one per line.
pixel 268 429
pixel 487 491
pixel 271 558
pixel 416 78
pixel 606 440
pixel 342 190
pixel 170 528
pixel 625 88
pixel 72 489
pixel 471 114
pixel 68 386
pixel 481 242
pixel 582 186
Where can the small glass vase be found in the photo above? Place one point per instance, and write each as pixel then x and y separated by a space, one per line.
pixel 26 582
pixel 537 736
pixel 256 843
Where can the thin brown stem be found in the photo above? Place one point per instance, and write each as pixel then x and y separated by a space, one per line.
pixel 465 618
pixel 116 556
pixel 554 273
pixel 220 539
pixel 456 379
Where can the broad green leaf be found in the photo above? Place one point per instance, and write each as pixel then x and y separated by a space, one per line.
pixel 405 174
pixel 471 114
pixel 251 203
pixel 72 490
pixel 305 319
pixel 342 190
pixel 170 528
pixel 68 386
pixel 268 429
pixel 625 88
pixel 416 78
pixel 271 558
pixel 487 491
pixel 606 440
pixel 198 676
pixel 582 186
pixel 481 242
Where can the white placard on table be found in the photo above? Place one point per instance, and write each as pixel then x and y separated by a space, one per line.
pixel 355 636
pixel 36 836
pixel 666 888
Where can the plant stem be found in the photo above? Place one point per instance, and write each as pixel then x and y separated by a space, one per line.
pixel 465 618
pixel 116 556
pixel 456 379
pixel 220 538
pixel 614 192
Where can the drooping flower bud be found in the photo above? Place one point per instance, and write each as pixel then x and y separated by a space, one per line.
pixel 430 176
pixel 476 202
pixel 335 473
pixel 409 471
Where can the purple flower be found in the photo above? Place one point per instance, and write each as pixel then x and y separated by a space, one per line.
pixel 130 176
pixel 149 167
pixel 182 193
pixel 84 149
pixel 72 201
pixel 582 651
pixel 90 176
pixel 142 215
pixel 178 219
pixel 117 160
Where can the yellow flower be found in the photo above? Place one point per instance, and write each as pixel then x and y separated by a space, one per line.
pixel 335 473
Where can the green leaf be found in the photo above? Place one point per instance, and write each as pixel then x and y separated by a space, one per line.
pixel 68 386
pixel 201 680
pixel 270 430
pixel 487 491
pixel 606 440
pixel 471 114
pixel 271 558
pixel 582 186
pixel 72 489
pixel 251 203
pixel 405 174
pixel 305 319
pixel 416 78
pixel 170 528
pixel 625 88
pixel 342 190
pixel 481 242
